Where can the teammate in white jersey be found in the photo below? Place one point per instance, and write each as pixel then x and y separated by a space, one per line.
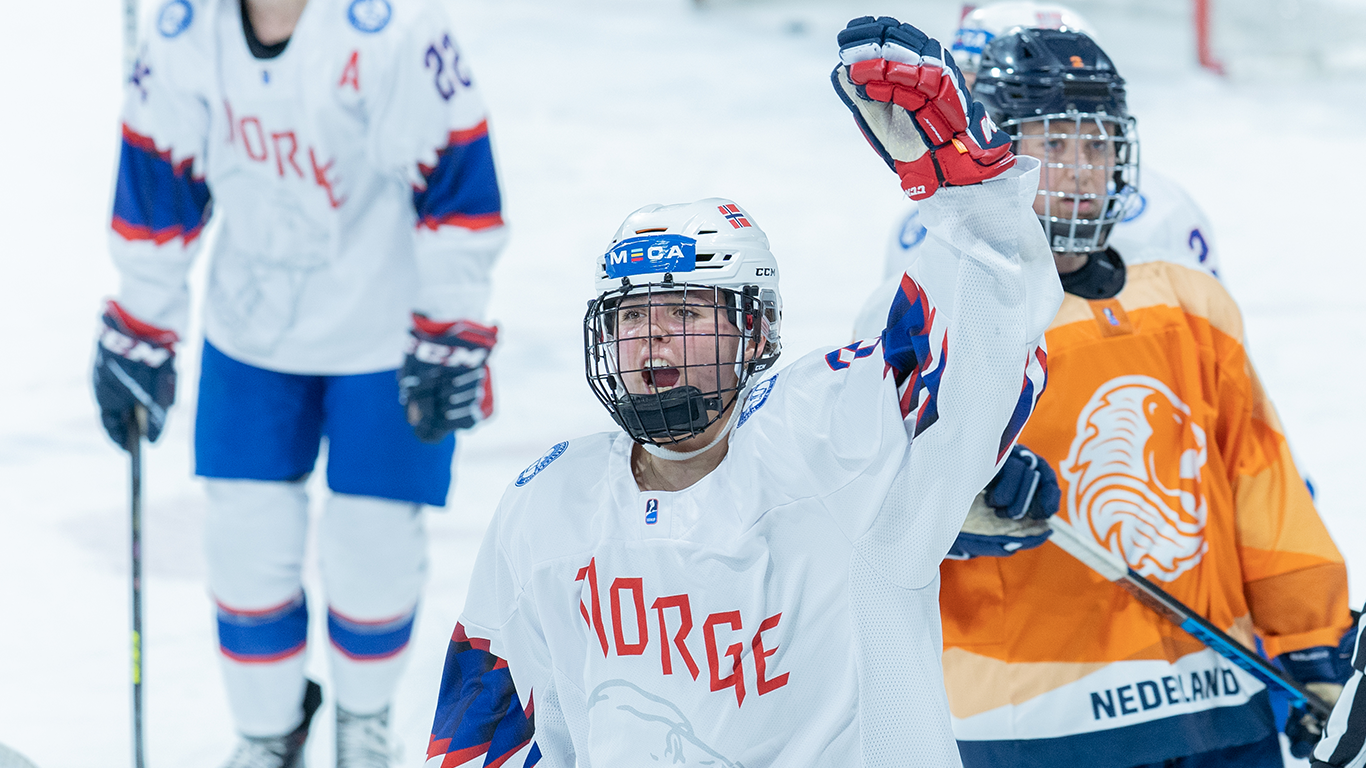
pixel 343 148
pixel 1160 221
pixel 745 574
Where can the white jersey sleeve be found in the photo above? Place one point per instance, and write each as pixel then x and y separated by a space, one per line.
pixel 161 199
pixel 431 130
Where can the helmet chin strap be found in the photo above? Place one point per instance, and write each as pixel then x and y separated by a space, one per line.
pixel 660 452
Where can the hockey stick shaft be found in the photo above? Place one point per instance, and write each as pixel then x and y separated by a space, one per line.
pixel 130 35
pixel 136 427
pixel 1113 568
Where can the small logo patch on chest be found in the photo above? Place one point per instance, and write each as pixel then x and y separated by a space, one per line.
pixel 652 511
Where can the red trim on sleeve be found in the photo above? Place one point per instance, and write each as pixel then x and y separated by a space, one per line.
pixel 164 337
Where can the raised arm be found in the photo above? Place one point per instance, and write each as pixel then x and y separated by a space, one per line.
pixel 964 335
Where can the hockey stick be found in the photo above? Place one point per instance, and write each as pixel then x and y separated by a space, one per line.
pixel 137 425
pixel 130 36
pixel 1113 568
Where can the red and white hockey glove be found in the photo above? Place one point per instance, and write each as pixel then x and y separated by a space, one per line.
pixel 912 104
pixel 134 367
pixel 444 383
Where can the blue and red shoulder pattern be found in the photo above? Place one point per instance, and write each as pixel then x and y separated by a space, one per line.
pixel 477 709
pixel 461 190
pixel 1035 379
pixel 909 352
pixel 156 199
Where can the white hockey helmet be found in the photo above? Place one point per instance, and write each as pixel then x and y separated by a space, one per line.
pixel 982 25
pixel 713 249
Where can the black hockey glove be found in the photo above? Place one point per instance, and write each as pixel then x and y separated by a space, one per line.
pixel 134 366
pixel 444 382
pixel 1011 513
pixel 1322 670
pixel 1025 487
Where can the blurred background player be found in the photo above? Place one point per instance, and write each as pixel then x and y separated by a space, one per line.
pixel 1167 451
pixel 744 573
pixel 344 149
pixel 1158 222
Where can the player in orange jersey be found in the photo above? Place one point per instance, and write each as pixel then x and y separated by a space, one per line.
pixel 1167 451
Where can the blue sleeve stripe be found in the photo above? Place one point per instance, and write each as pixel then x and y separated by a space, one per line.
pixel 367 640
pixel 462 189
pixel 272 634
pixel 155 200
pixel 477 710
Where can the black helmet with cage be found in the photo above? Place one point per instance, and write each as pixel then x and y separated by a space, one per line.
pixel 673 275
pixel 1062 82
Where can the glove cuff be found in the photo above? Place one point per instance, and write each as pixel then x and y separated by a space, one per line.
pixel 125 323
pixel 1314 665
pixel 468 331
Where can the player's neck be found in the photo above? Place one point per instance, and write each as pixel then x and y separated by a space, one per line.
pixel 274 20
pixel 655 474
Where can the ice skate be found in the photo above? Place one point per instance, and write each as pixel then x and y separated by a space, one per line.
pixel 285 751
pixel 363 740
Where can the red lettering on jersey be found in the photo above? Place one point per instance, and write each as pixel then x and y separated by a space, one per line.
pixel 320 176
pixel 232 123
pixel 260 139
pixel 281 158
pixel 736 678
pixel 761 658
pixel 351 74
pixel 642 629
pixel 684 627
pixel 591 572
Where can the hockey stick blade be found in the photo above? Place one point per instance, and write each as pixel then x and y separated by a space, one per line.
pixel 1113 568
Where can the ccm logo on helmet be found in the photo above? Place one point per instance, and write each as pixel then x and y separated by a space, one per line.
pixel 765 272
pixel 647 255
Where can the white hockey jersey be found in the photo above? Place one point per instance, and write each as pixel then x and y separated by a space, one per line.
pixel 352 174
pixel 1161 223
pixel 784 609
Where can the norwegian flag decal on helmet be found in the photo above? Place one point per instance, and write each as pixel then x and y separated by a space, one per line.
pixel 734 216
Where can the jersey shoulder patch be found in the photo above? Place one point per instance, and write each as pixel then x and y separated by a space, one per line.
pixel 174 18
pixel 369 16
pixel 528 474
pixel 757 397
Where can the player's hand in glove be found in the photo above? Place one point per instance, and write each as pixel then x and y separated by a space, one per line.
pixel 1011 513
pixel 914 107
pixel 1322 670
pixel 134 366
pixel 444 382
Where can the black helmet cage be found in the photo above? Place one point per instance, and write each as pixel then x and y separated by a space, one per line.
pixel 1062 80
pixel 702 393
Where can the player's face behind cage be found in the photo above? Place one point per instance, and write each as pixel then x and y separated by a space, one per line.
pixel 670 362
pixel 1089 170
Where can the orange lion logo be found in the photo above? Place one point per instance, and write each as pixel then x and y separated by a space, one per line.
pixel 1134 476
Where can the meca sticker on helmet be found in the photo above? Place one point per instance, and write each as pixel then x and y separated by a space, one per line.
pixel 648 255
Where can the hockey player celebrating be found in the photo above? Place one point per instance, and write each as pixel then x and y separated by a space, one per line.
pixel 745 574
pixel 1157 222
pixel 344 149
pixel 1168 453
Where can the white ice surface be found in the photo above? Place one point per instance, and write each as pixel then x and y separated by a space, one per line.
pixel 599 106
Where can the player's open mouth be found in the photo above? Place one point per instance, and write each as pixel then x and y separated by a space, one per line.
pixel 660 375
